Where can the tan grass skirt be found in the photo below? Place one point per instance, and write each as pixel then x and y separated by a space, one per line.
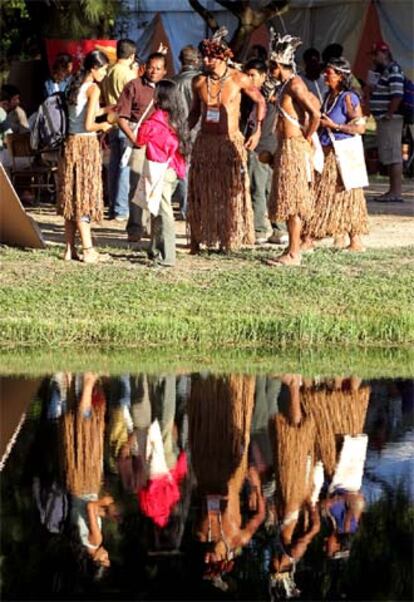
pixel 291 192
pixel 336 210
pixel 219 204
pixel 80 179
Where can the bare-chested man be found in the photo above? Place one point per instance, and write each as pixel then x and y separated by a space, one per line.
pixel 220 210
pixel 299 115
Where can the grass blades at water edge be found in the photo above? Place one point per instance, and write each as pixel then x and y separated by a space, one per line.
pixel 208 302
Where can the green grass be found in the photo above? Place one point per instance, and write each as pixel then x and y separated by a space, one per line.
pixel 211 302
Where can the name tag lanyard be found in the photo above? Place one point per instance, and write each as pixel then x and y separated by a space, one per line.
pixel 213 109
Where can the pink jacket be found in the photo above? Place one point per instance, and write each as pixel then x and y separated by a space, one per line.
pixel 161 141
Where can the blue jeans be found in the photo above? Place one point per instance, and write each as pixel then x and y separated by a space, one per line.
pixel 118 177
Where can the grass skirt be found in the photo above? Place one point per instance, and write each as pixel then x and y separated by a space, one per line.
pixel 80 179
pixel 291 191
pixel 336 210
pixel 219 204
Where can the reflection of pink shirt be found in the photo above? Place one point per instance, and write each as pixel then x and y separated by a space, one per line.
pixel 162 142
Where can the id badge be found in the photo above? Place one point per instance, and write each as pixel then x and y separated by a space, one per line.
pixel 213 115
pixel 213 503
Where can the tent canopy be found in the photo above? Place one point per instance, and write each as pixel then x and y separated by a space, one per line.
pixel 317 22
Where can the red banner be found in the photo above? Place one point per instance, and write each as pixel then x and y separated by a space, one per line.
pixel 78 49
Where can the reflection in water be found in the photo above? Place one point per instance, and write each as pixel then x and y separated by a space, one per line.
pixel 201 486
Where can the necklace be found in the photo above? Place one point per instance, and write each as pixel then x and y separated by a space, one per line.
pixel 220 80
pixel 328 109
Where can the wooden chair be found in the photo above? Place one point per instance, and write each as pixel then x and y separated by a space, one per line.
pixel 36 176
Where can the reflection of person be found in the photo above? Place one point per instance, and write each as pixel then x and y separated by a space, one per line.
pixel 338 212
pixel 298 483
pixel 82 461
pixel 339 409
pixel 220 211
pixel 80 198
pixel 220 411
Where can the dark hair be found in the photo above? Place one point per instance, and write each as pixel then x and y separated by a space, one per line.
pixel 62 61
pixel 189 55
pixel 158 56
pixel 332 51
pixel 93 60
pixel 339 64
pixel 260 52
pixel 310 53
pixel 125 48
pixel 167 98
pixel 256 64
pixel 8 91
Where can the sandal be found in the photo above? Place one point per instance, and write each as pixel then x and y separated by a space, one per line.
pixel 388 199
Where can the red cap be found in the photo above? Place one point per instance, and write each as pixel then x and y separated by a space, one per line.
pixel 380 46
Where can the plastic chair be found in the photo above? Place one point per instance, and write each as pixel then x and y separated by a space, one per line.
pixel 35 176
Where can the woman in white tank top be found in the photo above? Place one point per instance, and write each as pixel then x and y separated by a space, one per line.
pixel 80 198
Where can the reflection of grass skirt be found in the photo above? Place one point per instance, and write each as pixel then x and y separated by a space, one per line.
pixel 220 411
pixel 336 413
pixel 219 203
pixel 291 191
pixel 336 211
pixel 80 179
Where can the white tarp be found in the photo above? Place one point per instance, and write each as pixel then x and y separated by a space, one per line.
pixel 317 22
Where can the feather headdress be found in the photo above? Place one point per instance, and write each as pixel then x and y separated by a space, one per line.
pixel 282 48
pixel 216 46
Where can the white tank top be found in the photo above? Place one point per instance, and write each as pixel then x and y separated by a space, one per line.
pixel 77 112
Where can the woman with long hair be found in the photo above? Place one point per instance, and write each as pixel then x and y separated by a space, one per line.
pixel 337 211
pixel 167 141
pixel 80 199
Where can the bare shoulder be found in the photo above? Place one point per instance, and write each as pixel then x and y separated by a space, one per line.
pixel 297 85
pixel 93 90
pixel 240 78
pixel 198 80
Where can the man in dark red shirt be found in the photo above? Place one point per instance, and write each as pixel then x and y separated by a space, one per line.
pixel 134 106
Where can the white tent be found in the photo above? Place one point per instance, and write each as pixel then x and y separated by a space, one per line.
pixel 317 22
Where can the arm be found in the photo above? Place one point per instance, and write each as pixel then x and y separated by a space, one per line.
pixel 301 95
pixel 144 134
pixel 195 111
pixel 396 83
pixel 125 106
pixel 255 94
pixel 93 94
pixel 354 113
pixel 95 535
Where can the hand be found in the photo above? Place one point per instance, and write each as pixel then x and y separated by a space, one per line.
pixel 105 126
pixel 327 122
pixel 387 117
pixel 162 49
pixel 253 141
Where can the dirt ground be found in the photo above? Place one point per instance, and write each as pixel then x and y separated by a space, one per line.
pixel 390 224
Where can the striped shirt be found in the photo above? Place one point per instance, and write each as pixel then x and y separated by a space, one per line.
pixel 390 85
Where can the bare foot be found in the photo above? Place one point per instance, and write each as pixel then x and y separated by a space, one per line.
pixel 286 259
pixel 92 256
pixel 307 245
pixel 355 247
pixel 71 255
pixel 339 241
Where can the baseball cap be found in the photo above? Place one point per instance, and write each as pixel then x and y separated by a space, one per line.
pixel 380 46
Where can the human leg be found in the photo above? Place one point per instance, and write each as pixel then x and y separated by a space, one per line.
pixel 138 221
pixel 70 235
pixel 120 204
pixel 163 225
pixel 389 137
pixel 259 174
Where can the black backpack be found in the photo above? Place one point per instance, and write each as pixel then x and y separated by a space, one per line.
pixel 51 124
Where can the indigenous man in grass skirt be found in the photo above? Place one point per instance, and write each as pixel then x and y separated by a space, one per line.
pixel 220 210
pixel 299 115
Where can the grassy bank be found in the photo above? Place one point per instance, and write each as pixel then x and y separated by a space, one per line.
pixel 326 362
pixel 208 302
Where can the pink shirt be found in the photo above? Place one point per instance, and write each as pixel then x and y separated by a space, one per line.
pixel 162 142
